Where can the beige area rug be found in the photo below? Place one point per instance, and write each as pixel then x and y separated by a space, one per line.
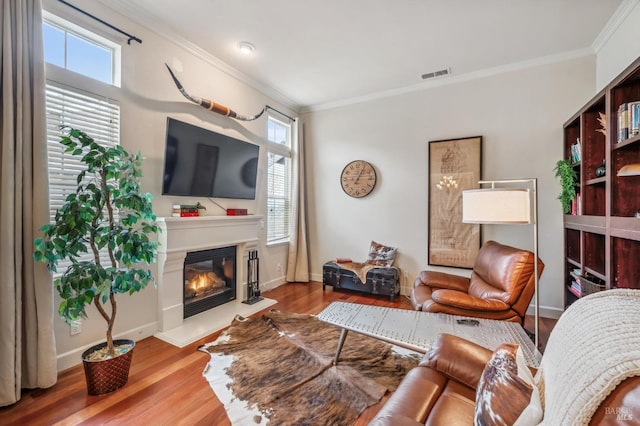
pixel 278 370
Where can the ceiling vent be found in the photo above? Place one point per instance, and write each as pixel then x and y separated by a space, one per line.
pixel 434 74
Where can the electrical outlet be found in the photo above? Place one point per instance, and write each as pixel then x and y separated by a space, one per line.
pixel 75 327
pixel 279 268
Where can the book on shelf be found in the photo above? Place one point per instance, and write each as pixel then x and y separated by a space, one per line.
pixel 343 260
pixel 185 214
pixel 634 118
pixel 576 151
pixel 185 210
pixel 576 207
pixel 185 206
pixel 575 288
pixel 623 122
pixel 628 120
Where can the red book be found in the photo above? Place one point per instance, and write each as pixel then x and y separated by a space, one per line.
pixel 186 214
pixel 236 212
pixel 343 260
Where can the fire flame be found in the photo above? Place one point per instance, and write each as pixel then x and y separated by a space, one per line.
pixel 201 283
pixel 198 283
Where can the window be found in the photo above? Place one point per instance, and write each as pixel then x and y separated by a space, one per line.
pixel 75 49
pixel 278 180
pixel 95 114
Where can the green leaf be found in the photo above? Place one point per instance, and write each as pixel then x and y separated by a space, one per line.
pixel 568 181
pixel 110 179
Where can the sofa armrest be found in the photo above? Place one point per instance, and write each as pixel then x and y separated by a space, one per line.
pixel 437 279
pixel 457 358
pixel 394 420
pixel 465 301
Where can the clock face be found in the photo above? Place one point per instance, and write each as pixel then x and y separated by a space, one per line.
pixel 358 178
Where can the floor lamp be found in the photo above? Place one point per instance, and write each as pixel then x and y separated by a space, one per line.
pixel 507 205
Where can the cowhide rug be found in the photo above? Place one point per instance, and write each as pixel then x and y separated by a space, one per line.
pixel 278 370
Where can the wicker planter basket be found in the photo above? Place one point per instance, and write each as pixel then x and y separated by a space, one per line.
pixel 110 374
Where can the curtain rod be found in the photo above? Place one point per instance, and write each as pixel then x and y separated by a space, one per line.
pixel 131 37
pixel 279 112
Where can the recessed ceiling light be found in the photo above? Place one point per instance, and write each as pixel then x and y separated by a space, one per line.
pixel 246 47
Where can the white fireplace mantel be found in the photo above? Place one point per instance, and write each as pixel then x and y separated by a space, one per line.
pixel 181 235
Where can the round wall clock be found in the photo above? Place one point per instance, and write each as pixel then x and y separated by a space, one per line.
pixel 358 178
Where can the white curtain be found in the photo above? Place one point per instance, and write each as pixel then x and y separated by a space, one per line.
pixel 27 343
pixel 298 263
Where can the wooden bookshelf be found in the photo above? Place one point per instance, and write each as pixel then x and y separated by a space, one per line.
pixel 602 241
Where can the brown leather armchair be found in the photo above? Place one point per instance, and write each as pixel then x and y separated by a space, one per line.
pixel 501 286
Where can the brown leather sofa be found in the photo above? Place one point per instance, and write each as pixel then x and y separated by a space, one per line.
pixel 442 390
pixel 587 358
pixel 501 286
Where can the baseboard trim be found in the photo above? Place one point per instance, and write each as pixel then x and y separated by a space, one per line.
pixel 316 277
pixel 72 358
pixel 546 311
pixel 270 285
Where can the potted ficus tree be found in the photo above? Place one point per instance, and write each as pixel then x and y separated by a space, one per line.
pixel 104 233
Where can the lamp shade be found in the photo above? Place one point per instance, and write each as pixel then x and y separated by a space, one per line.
pixel 496 205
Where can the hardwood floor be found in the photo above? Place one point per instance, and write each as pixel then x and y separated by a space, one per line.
pixel 165 385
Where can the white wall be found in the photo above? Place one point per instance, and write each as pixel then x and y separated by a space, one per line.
pixel 519 114
pixel 620 49
pixel 147 97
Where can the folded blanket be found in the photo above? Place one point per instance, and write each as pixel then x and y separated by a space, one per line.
pixel 359 268
pixel 594 346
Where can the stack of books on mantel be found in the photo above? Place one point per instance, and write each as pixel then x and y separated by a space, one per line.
pixel 185 210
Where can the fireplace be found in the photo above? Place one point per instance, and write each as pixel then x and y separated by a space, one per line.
pixel 182 235
pixel 209 279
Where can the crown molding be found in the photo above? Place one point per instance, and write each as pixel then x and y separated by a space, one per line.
pixel 612 25
pixel 140 15
pixel 454 79
pixel 129 9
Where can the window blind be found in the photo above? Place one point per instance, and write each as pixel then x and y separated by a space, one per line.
pixel 97 116
pixel 279 197
pixel 279 177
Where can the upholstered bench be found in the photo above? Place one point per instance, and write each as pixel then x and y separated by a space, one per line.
pixel 376 275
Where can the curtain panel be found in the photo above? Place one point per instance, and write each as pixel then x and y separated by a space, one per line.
pixel 27 343
pixel 298 262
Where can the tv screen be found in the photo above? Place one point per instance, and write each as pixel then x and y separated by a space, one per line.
pixel 202 163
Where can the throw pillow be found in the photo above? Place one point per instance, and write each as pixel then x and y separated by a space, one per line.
pixel 381 255
pixel 506 393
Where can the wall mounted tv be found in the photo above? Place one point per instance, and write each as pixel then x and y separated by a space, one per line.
pixel 202 163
